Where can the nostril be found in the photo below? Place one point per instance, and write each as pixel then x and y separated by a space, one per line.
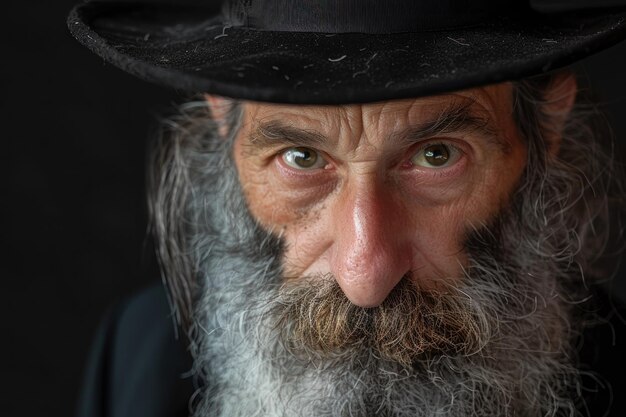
pixel 369 285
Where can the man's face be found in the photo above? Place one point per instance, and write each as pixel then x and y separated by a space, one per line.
pixel 373 193
pixel 409 258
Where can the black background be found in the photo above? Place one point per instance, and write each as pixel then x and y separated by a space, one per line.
pixel 74 138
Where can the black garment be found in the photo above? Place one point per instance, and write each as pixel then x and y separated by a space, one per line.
pixel 137 367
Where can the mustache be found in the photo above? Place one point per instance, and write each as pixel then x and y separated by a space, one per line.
pixel 313 317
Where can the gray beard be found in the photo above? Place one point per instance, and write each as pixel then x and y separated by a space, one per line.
pixel 522 367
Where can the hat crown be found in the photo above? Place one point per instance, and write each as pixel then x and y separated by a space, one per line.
pixel 363 16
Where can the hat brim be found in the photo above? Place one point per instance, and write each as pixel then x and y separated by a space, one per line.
pixel 190 49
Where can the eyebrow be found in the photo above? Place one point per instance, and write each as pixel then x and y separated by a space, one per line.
pixel 274 132
pixel 458 117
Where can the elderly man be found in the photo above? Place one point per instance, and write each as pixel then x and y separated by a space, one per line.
pixel 396 211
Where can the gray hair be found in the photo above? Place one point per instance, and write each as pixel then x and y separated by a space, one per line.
pixel 583 175
pixel 583 171
pixel 175 161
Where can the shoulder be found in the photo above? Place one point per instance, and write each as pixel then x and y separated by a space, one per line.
pixel 137 365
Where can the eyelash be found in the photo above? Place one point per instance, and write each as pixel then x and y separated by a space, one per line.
pixel 456 153
pixel 290 155
pixel 298 175
pixel 407 163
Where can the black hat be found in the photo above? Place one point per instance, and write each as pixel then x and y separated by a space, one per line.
pixel 340 51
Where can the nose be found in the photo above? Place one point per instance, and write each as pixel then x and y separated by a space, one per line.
pixel 372 248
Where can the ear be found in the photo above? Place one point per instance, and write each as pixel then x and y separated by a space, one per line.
pixel 559 98
pixel 219 108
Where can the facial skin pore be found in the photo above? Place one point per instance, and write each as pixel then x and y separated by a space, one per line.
pixel 354 192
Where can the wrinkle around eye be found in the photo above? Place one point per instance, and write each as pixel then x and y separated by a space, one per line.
pixel 459 152
pixel 437 185
pixel 298 199
pixel 322 172
pixel 454 154
pixel 291 156
pixel 300 187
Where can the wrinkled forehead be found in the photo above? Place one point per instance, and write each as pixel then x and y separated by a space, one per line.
pixel 493 102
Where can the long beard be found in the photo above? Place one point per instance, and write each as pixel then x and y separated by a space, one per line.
pixel 497 344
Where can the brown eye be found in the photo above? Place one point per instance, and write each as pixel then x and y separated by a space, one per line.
pixel 303 158
pixel 436 155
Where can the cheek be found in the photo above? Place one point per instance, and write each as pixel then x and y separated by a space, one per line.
pixel 437 239
pixel 277 205
pixel 307 244
pixel 288 208
pixel 440 229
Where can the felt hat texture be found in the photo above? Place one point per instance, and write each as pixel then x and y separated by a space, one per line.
pixel 342 51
